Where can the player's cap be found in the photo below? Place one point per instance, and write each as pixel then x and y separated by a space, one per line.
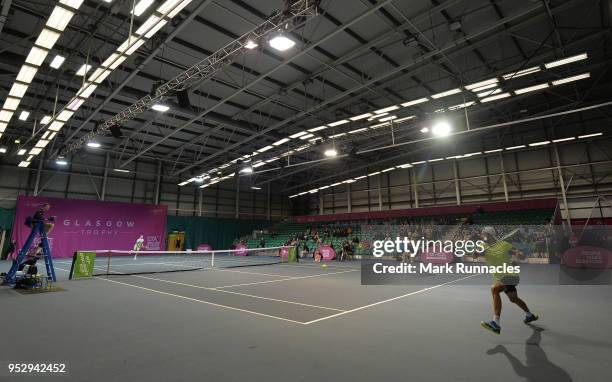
pixel 489 230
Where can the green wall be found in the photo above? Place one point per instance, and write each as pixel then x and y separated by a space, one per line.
pixel 219 233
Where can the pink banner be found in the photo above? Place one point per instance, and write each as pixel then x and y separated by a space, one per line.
pixel 241 250
pixel 437 257
pixel 327 252
pixel 586 256
pixel 94 225
pixel 204 247
pixel 284 252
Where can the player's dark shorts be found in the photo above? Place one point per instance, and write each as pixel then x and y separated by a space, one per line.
pixel 510 283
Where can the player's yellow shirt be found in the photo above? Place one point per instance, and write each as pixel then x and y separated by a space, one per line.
pixel 498 254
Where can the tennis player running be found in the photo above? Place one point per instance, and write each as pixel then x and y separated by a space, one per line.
pixel 497 253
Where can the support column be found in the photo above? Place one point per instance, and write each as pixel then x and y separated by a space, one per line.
pixel 237 214
pixel 380 192
pixel 269 203
pixel 562 184
pixel 457 188
pixel 321 201
pixel 41 162
pixel 200 197
pixel 348 197
pixel 158 182
pixel 503 171
pixel 415 187
pixel 105 177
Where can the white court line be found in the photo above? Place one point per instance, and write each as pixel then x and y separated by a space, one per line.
pixel 238 293
pixel 387 300
pixel 286 279
pixel 204 301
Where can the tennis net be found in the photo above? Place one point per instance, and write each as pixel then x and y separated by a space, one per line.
pixel 117 262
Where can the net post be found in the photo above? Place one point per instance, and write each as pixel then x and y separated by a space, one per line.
pixel 108 264
pixel 212 261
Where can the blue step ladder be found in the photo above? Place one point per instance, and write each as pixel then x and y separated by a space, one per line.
pixel 38 228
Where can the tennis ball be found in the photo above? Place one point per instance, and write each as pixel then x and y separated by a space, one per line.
pixel 324 266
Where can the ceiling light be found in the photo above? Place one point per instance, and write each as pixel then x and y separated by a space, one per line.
pixel 337 135
pixel 5 115
pixel 446 93
pixel 389 118
pixel 281 42
pixel 255 188
pixel 113 61
pixel 531 89
pixel 488 93
pixel 47 38
pixel 318 128
pixel 590 135
pixel 46 119
pixel 26 74
pixel 264 149
pixel 141 6
pixel 36 56
pixel 388 169
pixel 18 90
pixel 24 115
pixel 485 87
pixel 405 118
pixel 94 145
pixel 2 150
pixel 75 104
pixel 361 116
pixel 386 109
pixel 251 44
pixel 151 26
pixel 425 130
pixel 493 151
pixel 296 135
pixel 24 164
pixel 65 115
pixel 161 108
pixel 415 102
pixel 435 160
pixel 56 126
pixel 277 143
pixel 73 3
pixel 21 152
pixel 521 73
pixel 358 130
pixel 441 129
pixel 83 70
pixel 57 61
pixel 515 147
pixel 61 162
pixel 258 164
pixel 374 173
pixel 567 60
pixel 304 137
pixel 59 18
pixel 11 103
pixel 495 97
pixel 330 153
pixel 121 170
pixel 564 139
pixel 246 169
pixel 482 83
pixel 419 162
pixel 571 79
pixel 460 106
pixel 407 165
pixel 170 7
pixel 338 123
pixel 17 141
pixel 539 143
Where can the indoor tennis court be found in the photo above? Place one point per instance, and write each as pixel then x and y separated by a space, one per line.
pixel 306 190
